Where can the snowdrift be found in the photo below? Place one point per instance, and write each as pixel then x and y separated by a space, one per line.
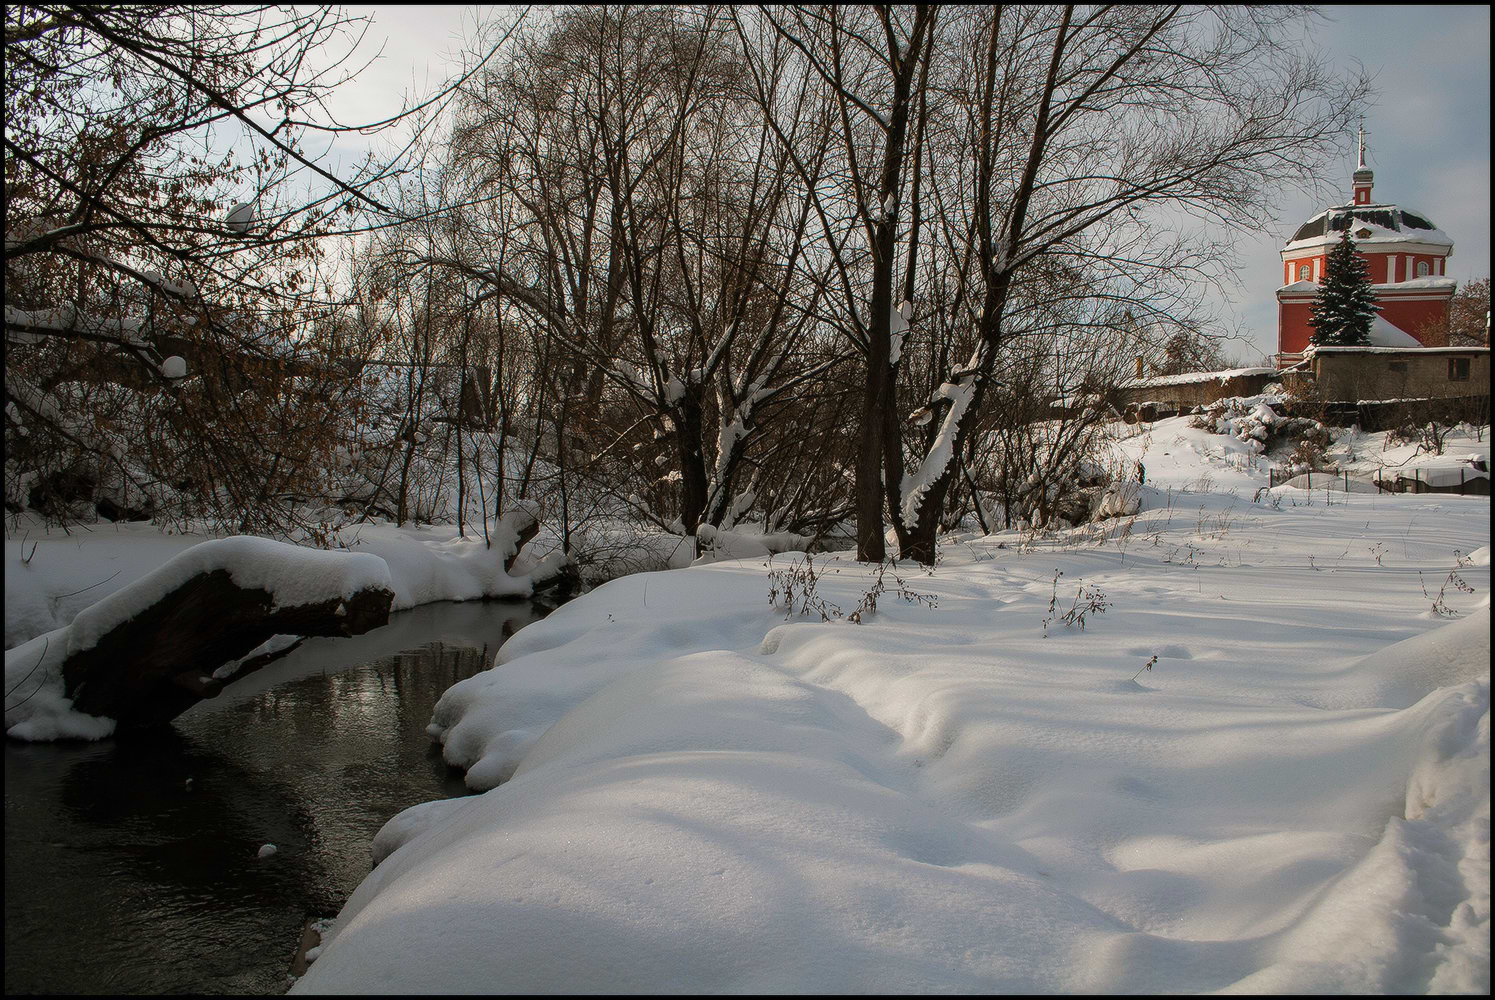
pixel 688 793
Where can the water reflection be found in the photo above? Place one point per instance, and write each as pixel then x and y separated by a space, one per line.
pixel 131 865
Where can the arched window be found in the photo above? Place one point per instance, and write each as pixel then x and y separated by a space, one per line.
pixel 1422 269
pixel 1303 272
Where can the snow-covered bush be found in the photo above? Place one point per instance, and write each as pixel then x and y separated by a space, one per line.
pixel 1313 442
pixel 1249 419
pixel 1259 423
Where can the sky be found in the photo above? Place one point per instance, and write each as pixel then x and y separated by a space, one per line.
pixel 1428 123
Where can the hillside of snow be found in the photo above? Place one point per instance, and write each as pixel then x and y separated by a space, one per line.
pixel 1261 765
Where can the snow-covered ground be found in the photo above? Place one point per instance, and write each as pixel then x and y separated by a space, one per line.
pixel 966 792
pixel 1175 453
pixel 1261 766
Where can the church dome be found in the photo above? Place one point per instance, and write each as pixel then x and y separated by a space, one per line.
pixel 1372 224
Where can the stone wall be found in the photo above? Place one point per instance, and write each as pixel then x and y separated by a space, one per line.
pixel 1351 375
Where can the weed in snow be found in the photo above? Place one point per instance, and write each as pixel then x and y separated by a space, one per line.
pixel 797 586
pixel 1440 606
pixel 1088 601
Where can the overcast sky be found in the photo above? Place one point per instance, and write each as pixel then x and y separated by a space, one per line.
pixel 1429 126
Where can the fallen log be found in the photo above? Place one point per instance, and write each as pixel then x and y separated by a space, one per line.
pixel 154 666
pixel 147 652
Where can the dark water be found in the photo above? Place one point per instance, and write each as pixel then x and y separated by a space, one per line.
pixel 118 878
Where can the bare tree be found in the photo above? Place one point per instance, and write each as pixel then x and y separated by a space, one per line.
pixel 164 231
pixel 871 63
pixel 1093 132
pixel 654 233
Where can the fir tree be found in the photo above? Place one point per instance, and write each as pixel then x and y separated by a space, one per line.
pixel 1346 306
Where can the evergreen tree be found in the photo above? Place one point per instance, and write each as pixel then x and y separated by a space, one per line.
pixel 1346 306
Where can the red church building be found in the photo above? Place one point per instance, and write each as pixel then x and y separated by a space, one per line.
pixel 1407 255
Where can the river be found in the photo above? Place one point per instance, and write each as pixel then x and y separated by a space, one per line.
pixel 132 864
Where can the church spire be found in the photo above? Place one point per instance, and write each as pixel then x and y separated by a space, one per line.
pixel 1363 176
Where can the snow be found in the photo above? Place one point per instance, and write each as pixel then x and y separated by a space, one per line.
pixel 1180 457
pixel 1383 333
pixel 50 577
pixel 745 542
pixel 684 792
pixel 1431 282
pixel 1190 378
pixel 1375 456
pixel 292 575
pixel 941 451
pixel 35 708
pixel 241 217
pixel 1450 474
pixel 433 563
pixel 174 367
pixel 1377 234
pixel 729 437
pixel 898 327
pixel 66 319
pixel 1373 349
pixel 267 850
pixel 412 822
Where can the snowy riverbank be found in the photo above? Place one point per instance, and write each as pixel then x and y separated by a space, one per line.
pixel 967 792
pixel 134 567
pixel 977 795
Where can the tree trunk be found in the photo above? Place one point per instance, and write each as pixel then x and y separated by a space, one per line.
pixel 687 417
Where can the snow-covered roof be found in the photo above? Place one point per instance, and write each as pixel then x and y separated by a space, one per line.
pixel 1380 223
pixel 1429 284
pixel 1384 333
pixel 1188 378
pixel 1375 349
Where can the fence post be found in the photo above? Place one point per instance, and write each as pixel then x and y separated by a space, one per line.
pixel 1347 480
pixel 1461 480
pixel 1310 479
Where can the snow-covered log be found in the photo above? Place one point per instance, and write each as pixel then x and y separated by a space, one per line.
pixel 148 652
